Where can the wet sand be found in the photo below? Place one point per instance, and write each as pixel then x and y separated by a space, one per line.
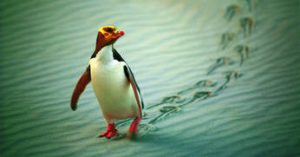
pixel 219 78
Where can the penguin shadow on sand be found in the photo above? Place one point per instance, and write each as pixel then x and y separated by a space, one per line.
pixel 233 43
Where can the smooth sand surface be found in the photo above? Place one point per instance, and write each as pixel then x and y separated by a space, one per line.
pixel 219 78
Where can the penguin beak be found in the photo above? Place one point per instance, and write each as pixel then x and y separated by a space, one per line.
pixel 117 34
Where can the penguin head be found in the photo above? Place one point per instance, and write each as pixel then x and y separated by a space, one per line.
pixel 108 35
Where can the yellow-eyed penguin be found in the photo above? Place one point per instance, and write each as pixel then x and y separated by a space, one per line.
pixel 113 83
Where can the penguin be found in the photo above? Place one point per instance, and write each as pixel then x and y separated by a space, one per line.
pixel 113 83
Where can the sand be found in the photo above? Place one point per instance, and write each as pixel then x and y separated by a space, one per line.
pixel 219 78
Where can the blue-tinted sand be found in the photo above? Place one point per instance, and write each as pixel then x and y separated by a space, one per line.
pixel 219 78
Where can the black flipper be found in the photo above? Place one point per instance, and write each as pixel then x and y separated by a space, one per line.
pixel 128 73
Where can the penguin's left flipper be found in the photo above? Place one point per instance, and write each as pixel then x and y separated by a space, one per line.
pixel 131 79
pixel 80 86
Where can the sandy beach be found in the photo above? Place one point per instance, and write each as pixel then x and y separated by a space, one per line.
pixel 219 78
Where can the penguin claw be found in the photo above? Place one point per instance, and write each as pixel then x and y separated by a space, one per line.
pixel 133 130
pixel 103 135
pixel 110 132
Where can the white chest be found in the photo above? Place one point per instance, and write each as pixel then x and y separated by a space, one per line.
pixel 107 77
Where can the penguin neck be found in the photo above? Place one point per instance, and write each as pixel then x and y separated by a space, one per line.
pixel 105 55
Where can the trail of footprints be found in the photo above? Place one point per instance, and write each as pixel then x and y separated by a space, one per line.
pixel 232 41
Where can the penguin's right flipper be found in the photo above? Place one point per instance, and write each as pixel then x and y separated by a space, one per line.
pixel 84 80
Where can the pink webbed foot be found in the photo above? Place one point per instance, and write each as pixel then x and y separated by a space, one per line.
pixel 133 130
pixel 110 132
